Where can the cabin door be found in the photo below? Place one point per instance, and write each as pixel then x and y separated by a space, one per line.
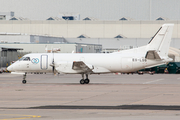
pixel 44 62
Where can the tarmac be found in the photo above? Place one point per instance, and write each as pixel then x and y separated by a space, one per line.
pixel 106 97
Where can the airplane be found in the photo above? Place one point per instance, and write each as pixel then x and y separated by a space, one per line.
pixel 153 54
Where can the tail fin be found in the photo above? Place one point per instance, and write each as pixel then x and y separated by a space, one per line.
pixel 158 46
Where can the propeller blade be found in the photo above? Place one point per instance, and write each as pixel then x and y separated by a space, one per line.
pixel 53 66
pixel 53 70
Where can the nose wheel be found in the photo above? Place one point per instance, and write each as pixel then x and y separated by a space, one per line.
pixel 84 81
pixel 24 79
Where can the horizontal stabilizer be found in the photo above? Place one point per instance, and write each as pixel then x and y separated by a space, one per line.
pixel 155 65
pixel 152 54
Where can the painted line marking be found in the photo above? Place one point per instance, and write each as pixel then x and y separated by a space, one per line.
pixel 153 81
pixel 20 118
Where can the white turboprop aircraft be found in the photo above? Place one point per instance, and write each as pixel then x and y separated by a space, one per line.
pixel 126 61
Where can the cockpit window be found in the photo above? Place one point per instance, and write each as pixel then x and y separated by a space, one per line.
pixel 26 59
pixel 21 58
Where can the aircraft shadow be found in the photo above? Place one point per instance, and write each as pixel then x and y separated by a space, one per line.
pixel 121 107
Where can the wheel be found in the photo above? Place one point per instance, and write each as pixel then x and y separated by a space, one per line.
pixel 140 73
pixel 86 81
pixel 82 81
pixel 24 81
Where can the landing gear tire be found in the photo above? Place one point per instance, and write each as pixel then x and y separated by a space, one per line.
pixel 82 81
pixel 24 78
pixel 86 81
pixel 24 81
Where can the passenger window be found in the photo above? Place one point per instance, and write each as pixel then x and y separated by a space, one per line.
pixel 27 59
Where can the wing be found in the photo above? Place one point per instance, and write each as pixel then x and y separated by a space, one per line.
pixel 80 65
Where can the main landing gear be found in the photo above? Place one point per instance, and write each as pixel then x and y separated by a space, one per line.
pixel 24 79
pixel 84 81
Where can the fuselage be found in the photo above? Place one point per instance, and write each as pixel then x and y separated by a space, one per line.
pixel 125 61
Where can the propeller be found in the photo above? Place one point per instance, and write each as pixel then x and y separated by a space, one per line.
pixel 53 65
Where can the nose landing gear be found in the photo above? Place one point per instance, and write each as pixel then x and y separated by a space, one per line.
pixel 24 79
pixel 84 81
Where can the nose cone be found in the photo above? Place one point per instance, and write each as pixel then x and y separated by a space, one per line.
pixel 10 68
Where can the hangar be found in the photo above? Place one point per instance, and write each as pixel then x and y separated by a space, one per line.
pixel 7 55
pixel 133 33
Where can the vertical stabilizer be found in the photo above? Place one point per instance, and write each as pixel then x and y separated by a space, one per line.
pixel 161 41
